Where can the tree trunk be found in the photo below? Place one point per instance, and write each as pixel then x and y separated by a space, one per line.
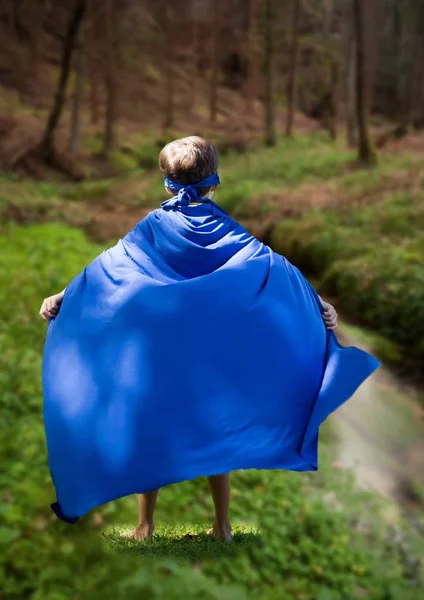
pixel 194 58
pixel 92 64
pixel 350 90
pixel 335 100
pixel 374 19
pixel 110 83
pixel 11 20
pixel 252 66
pixel 417 116
pixel 35 31
pixel 269 109
pixel 169 67
pixel 328 17
pixel 71 34
pixel 79 84
pixel 213 101
pixel 294 59
pixel 366 153
pixel 408 49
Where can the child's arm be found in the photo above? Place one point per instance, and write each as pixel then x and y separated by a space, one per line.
pixel 50 307
pixel 329 315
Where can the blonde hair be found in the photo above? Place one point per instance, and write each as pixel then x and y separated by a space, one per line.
pixel 189 160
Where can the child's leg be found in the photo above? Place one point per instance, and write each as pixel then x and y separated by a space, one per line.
pixel 220 489
pixel 146 508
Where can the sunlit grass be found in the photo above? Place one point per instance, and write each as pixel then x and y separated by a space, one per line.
pixel 363 180
pixel 255 172
pixel 244 175
pixel 182 542
pixel 289 164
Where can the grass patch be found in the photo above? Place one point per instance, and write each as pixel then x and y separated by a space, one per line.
pixel 86 190
pixel 361 181
pixel 27 192
pixel 290 163
pixel 183 542
pixel 318 535
pixel 246 172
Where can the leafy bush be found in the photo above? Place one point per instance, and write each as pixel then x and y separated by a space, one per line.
pixel 371 258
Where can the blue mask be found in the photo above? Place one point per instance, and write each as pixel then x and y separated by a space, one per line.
pixel 188 192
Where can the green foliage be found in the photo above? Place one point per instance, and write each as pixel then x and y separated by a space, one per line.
pixel 124 162
pixel 372 259
pixel 246 174
pixel 362 181
pixel 30 192
pixel 86 190
pixel 291 163
pixel 319 537
pixel 311 539
pixel 385 288
pixel 145 148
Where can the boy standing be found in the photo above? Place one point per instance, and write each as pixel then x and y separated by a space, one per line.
pixel 188 349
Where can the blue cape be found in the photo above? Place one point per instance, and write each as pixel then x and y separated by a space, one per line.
pixel 187 349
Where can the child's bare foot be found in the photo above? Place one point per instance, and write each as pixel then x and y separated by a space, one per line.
pixel 142 532
pixel 221 532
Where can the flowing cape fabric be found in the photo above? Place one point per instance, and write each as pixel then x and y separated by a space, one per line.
pixel 188 349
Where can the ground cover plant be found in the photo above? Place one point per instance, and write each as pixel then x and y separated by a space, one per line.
pixel 297 536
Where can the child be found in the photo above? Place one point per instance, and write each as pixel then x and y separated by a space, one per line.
pixel 188 349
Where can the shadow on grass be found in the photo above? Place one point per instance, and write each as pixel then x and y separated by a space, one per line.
pixel 183 542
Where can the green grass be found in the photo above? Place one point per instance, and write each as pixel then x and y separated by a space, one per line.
pixel 183 542
pixel 247 171
pixel 361 181
pixel 298 536
pixel 244 176
pixel 271 170
pixel 250 179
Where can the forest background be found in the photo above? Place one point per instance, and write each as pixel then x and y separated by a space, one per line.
pixel 317 110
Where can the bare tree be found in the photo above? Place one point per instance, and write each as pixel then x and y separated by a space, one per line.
pixel 11 10
pixel 194 58
pixel 110 78
pixel 335 99
pixel 74 144
pixel 213 100
pixel 294 59
pixel 366 153
pixel 350 85
pixel 269 109
pixel 92 62
pixel 35 17
pixel 56 111
pixel 169 66
pixel 373 20
pixel 252 59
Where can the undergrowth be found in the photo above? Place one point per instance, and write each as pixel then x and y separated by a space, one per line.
pixel 371 258
pixel 298 536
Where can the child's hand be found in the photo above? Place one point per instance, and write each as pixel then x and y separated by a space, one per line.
pixel 329 315
pixel 50 307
